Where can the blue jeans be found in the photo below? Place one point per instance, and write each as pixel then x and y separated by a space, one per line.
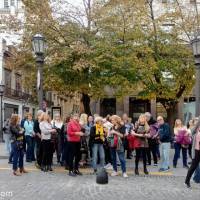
pixel 197 175
pixel 178 148
pixel 30 155
pixel 122 160
pixel 165 149
pixel 18 156
pixel 95 149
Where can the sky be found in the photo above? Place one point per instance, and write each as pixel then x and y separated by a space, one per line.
pixel 76 2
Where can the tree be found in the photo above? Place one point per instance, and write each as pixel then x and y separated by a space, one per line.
pixel 162 59
pixel 120 44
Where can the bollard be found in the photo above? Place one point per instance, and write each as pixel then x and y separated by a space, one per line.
pixel 102 177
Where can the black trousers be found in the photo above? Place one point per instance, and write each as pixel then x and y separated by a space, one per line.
pixel 152 149
pixel 108 158
pixel 38 151
pixel 65 156
pixel 194 165
pixel 74 154
pixel 141 152
pixel 46 152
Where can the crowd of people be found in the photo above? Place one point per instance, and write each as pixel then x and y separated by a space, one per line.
pixel 101 143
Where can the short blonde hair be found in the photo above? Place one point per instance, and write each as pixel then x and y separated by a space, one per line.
pixel 97 119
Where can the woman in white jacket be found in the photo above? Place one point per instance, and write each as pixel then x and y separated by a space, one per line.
pixel 46 131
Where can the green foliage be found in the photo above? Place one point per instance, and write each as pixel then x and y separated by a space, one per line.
pixel 124 46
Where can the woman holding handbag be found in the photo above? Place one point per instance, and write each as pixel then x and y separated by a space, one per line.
pixel 17 135
pixel 116 137
pixel 182 139
pixel 141 134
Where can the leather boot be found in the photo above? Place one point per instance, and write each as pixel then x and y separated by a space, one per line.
pixel 22 170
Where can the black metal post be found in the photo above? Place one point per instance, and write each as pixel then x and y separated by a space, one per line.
pixel 1 121
pixel 197 87
pixel 40 63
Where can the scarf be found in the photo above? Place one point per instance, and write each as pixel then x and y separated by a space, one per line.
pixel 99 132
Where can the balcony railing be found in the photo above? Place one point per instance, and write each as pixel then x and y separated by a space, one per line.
pixel 22 96
pixel 17 94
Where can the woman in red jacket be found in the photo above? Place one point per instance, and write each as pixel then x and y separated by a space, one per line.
pixel 74 136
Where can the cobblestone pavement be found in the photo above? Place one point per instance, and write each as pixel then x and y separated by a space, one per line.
pixel 59 186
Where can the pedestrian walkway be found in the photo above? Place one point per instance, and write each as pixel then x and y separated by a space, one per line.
pixel 153 170
pixel 3 153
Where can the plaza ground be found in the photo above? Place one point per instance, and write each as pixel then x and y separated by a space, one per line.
pixel 57 185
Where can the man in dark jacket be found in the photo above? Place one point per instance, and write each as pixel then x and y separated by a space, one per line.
pixel 165 139
pixel 37 131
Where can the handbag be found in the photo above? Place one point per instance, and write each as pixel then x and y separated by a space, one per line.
pixel 84 146
pixel 134 142
pixel 19 144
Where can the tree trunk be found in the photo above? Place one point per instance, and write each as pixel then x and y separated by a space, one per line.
pixel 171 114
pixel 86 103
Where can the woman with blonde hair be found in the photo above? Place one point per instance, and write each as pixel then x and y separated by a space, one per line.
pixel 17 135
pixel 182 139
pixel 116 139
pixel 46 132
pixel 141 133
pixel 84 139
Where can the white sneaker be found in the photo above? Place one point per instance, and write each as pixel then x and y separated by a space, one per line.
pixel 114 173
pixel 125 175
pixel 108 166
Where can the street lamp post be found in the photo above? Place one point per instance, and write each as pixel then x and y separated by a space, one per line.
pixel 196 51
pixel 2 87
pixel 38 43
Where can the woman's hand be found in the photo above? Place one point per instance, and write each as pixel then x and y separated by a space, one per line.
pixel 54 131
pixel 80 133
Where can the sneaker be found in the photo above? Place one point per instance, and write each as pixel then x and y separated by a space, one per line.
pixel 77 172
pixel 187 185
pixel 186 166
pixel 166 170
pixel 37 166
pixel 155 164
pixel 161 170
pixel 108 166
pixel 146 172
pixel 114 173
pixel 125 175
pixel 72 174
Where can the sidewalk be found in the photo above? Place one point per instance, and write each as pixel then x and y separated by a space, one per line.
pixel 3 153
pixel 179 171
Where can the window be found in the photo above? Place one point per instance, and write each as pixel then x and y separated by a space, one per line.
pixel 18 84
pixel 6 4
pixel 7 78
pixel 12 2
